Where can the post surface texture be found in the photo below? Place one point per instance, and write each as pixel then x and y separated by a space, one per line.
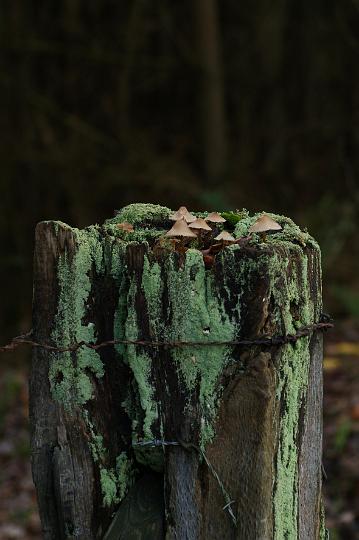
pixel 247 421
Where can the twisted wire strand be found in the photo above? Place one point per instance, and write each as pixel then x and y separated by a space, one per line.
pixel 304 331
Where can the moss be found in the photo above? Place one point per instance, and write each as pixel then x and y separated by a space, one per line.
pixel 140 234
pixel 290 231
pixel 234 217
pixel 141 213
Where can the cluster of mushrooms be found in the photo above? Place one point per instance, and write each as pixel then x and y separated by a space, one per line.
pixel 187 226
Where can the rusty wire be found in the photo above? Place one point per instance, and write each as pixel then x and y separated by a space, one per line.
pixel 25 339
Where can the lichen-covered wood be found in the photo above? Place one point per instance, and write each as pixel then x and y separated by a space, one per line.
pixel 254 412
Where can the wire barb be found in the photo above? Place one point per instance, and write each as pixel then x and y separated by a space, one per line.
pixel 191 446
pixel 155 442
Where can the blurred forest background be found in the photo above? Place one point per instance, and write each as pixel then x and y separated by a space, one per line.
pixel 215 105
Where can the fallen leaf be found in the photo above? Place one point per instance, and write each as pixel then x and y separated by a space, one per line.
pixel 208 261
pixel 354 412
pixel 125 226
pixel 345 347
pixel 330 363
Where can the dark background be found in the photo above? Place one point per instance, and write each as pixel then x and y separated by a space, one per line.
pixel 215 105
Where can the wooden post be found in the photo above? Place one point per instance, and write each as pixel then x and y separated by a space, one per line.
pixel 246 421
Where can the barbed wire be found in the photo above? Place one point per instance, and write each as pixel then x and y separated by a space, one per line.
pixel 191 446
pixel 304 331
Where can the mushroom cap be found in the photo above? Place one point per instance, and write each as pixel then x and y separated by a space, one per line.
pixel 125 226
pixel 180 228
pixel 200 223
pixel 214 217
pixel 182 212
pixel 264 224
pixel 225 236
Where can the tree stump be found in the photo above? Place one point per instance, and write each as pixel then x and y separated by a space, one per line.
pixel 244 422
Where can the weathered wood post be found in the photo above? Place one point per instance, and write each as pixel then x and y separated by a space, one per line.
pixel 240 426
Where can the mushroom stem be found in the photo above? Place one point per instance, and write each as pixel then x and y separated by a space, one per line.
pixel 263 236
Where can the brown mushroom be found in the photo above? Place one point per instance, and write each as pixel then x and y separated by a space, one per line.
pixel 263 225
pixel 214 217
pixel 200 224
pixel 181 231
pixel 182 212
pixel 225 237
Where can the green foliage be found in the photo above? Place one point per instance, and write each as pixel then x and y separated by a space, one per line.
pixel 234 217
pixel 348 300
pixel 9 393
pixel 342 434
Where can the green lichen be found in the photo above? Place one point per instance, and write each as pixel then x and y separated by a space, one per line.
pixel 291 386
pixel 116 482
pixel 323 531
pixel 293 307
pixel 125 474
pixel 140 363
pixel 69 379
pixel 108 487
pixel 197 314
pixel 96 443
pixel 152 286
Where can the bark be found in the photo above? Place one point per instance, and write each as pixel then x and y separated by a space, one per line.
pixel 251 415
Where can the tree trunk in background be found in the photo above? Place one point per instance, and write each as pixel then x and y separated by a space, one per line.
pixel 252 416
pixel 211 97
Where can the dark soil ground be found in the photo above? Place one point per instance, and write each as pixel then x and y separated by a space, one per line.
pixel 18 513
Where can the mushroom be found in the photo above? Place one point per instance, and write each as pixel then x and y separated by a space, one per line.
pixel 214 217
pixel 225 237
pixel 263 225
pixel 181 230
pixel 125 226
pixel 201 226
pixel 182 212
